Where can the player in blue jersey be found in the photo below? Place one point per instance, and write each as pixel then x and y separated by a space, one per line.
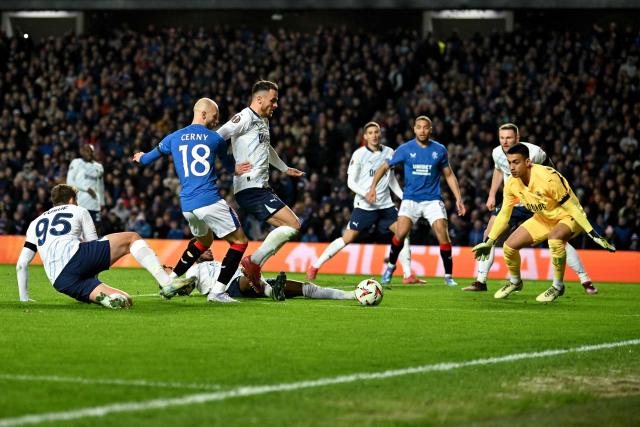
pixel 424 161
pixel 193 149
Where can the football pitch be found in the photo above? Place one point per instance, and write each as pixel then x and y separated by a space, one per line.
pixel 428 355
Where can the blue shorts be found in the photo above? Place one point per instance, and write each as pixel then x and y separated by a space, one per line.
pixel 234 289
pixel 261 202
pixel 80 276
pixel 519 214
pixel 362 219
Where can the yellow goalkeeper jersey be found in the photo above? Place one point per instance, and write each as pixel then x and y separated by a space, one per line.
pixel 546 192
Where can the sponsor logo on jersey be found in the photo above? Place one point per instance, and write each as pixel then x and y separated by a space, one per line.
pixel 434 155
pixel 413 155
pixel 269 209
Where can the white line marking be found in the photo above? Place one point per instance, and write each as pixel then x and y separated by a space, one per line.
pixel 123 382
pixel 100 411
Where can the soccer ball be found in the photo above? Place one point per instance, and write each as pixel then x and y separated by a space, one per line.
pixel 369 292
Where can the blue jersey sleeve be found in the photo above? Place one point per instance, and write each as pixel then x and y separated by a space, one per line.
pixel 165 145
pixel 163 148
pixel 444 160
pixel 398 157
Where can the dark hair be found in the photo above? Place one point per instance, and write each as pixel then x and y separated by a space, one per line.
pixel 521 149
pixel 61 193
pixel 263 85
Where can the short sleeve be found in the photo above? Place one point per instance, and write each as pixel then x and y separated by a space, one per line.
pixel 444 160
pixel 236 126
pixel 398 157
pixel 539 156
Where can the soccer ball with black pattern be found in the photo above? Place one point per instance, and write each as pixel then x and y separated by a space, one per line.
pixel 369 292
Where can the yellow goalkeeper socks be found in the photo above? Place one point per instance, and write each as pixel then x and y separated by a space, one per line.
pixel 559 260
pixel 512 259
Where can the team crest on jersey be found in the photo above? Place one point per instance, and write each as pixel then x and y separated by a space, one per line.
pixel 434 155
pixel 235 118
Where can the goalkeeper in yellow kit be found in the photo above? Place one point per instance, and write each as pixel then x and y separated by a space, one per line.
pixel 558 217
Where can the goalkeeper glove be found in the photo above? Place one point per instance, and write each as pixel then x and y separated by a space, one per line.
pixel 601 241
pixel 481 250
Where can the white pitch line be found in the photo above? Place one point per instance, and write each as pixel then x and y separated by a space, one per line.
pixel 100 411
pixel 122 382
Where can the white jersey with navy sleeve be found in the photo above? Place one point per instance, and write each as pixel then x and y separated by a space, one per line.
pixel 57 234
pixel 85 175
pixel 536 154
pixel 250 141
pixel 207 273
pixel 362 167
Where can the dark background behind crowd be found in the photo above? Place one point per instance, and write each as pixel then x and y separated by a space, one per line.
pixel 575 93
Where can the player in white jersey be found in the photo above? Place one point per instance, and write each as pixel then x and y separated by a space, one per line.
pixel 383 213
pixel 250 141
pixel 207 270
pixel 87 175
pixel 508 135
pixel 66 239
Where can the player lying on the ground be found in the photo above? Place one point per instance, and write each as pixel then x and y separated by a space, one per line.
pixel 66 238
pixel 207 270
pixel 557 217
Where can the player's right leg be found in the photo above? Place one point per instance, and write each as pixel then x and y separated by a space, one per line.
pixel 333 248
pixel 520 238
pixel 110 297
pixel 78 279
pixel 575 263
pixel 203 238
pixel 480 285
pixel 406 217
pixel 121 244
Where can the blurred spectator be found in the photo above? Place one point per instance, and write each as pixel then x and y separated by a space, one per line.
pixel 574 93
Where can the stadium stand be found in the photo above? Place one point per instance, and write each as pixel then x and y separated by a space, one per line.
pixel 577 94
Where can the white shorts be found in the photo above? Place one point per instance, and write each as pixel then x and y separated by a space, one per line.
pixel 218 217
pixel 432 210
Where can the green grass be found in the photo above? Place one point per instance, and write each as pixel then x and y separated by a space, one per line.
pixel 260 342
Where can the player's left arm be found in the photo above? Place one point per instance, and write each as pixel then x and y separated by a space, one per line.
pixel 455 188
pixel 22 266
pixel 279 164
pixel 559 189
pixel 161 149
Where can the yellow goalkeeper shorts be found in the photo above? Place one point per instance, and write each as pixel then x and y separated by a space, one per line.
pixel 540 228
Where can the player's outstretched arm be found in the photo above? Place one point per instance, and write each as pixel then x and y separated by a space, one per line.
pixel 573 208
pixel 22 271
pixel 147 158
